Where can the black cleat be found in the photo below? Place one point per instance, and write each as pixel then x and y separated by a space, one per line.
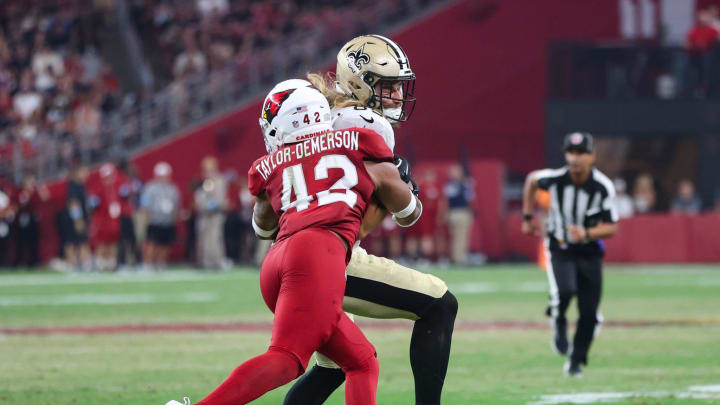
pixel 573 369
pixel 560 344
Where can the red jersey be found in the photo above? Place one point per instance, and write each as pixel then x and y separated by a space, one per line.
pixel 108 203
pixel 321 182
pixel 702 38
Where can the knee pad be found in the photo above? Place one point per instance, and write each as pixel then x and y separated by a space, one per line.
pixel 370 364
pixel 443 308
pixel 292 357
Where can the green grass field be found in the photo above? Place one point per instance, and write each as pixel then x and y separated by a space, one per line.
pixel 671 357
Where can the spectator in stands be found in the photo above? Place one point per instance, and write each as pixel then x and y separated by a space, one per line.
pixel 74 224
pixel 29 199
pixel 701 40
pixel 47 49
pixel 87 119
pixel 47 65
pixel 644 194
pixel 686 201
pixel 160 200
pixel 623 202
pixel 460 192
pixel 191 60
pixel 27 101
pixel 211 203
pixel 213 8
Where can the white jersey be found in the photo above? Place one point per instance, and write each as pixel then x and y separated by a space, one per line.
pixel 362 117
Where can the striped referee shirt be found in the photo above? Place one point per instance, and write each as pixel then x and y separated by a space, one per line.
pixel 585 205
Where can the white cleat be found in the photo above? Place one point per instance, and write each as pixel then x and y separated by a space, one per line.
pixel 186 401
pixel 573 369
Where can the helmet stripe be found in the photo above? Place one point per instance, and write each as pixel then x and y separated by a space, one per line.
pixel 402 57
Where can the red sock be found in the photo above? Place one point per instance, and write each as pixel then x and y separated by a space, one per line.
pixel 255 377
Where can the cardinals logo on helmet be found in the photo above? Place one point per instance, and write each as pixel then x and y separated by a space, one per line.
pixel 273 103
pixel 357 58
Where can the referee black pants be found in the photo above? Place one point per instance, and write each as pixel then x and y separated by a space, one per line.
pixel 576 275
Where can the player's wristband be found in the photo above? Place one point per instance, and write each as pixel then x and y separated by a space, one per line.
pixel 527 217
pixel 407 211
pixel 262 232
pixel 414 205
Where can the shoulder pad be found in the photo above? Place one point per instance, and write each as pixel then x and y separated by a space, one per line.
pixel 362 117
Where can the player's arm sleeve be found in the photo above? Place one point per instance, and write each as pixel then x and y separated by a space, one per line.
pixel 373 147
pixel 256 181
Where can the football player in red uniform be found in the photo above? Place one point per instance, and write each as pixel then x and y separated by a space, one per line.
pixel 312 190
pixel 105 223
pixel 373 88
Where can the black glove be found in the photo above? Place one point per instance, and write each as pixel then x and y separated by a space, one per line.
pixel 404 169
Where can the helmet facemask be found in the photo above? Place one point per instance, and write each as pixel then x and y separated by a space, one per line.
pixel 382 96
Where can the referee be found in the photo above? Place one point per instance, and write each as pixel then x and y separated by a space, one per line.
pixel 581 213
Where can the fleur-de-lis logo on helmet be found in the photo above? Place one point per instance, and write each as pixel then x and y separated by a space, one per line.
pixel 357 58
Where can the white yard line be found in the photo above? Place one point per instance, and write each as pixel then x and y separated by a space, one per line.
pixel 694 392
pixel 118 278
pixel 484 288
pixel 104 299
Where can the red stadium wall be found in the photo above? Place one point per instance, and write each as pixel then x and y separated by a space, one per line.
pixel 481 75
pixel 643 239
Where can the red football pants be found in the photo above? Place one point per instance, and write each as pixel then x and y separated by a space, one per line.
pixel 303 282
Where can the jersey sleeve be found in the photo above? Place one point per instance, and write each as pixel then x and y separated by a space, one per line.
pixel 256 182
pixel 546 177
pixel 608 207
pixel 361 117
pixel 373 147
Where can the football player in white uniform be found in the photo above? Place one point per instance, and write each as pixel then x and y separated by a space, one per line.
pixel 373 88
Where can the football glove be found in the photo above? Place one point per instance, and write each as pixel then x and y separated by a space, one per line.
pixel 403 167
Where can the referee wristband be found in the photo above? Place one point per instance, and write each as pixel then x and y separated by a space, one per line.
pixel 407 211
pixel 262 232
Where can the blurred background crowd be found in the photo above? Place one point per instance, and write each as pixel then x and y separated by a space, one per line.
pixel 111 219
pixel 86 85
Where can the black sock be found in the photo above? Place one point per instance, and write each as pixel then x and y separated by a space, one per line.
pixel 315 386
pixel 430 349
